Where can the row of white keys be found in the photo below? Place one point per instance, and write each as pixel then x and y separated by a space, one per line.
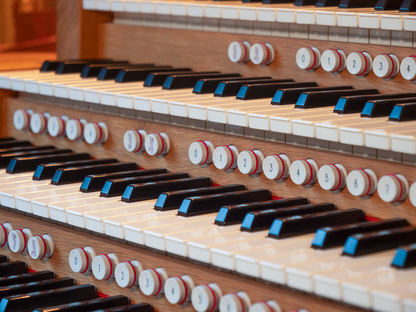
pixel 33 85
pixel 61 90
pixel 396 297
pixel 381 138
pixel 404 142
pixel 46 86
pixel 18 83
pixel 144 102
pixel 5 76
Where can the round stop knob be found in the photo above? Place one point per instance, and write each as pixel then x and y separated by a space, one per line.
pixel 206 297
pixel 332 177
pixel 134 140
pixel 239 302
pixel 18 240
pixel 157 144
pixel 200 152
pixel 96 133
pixel 75 129
pixel 386 65
pixel 250 162
pixel 362 182
pixel 408 68
pixel 127 273
pixel 178 290
pixel 225 157
pixel 239 51
pixel 5 230
pixel 152 281
pixel 333 60
pixel 80 259
pixel 103 266
pixel 276 167
pixel 38 123
pixel 21 119
pixel 308 58
pixel 393 188
pixel 56 126
pixel 40 247
pixel 359 63
pixel 261 53
pixel 304 171
pixel 263 306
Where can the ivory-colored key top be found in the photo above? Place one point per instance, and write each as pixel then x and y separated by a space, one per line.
pixel 7 195
pixel 404 142
pixel 380 137
pixel 396 297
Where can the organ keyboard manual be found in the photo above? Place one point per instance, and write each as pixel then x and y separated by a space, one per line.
pixel 240 156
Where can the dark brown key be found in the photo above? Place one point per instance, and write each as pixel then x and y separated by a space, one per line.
pixel 268 90
pixel 403 112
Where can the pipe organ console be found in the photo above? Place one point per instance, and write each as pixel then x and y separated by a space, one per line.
pixel 213 155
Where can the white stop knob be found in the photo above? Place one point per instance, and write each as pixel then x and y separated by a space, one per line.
pixel 225 157
pixel 80 259
pixel 178 290
pixel 206 297
pixel 200 152
pixel 127 273
pixel 96 133
pixel 276 167
pixel 408 68
pixel 134 140
pixel 56 126
pixel 359 63
pixel 103 266
pixel 157 144
pixel 38 123
pixel 412 194
pixel 40 247
pixel 239 51
pixel 304 171
pixel 239 302
pixel 393 188
pixel 250 162
pixel 152 281
pixel 21 119
pixel 362 182
pixel 269 306
pixel 333 60
pixel 18 240
pixel 386 65
pixel 332 177
pixel 308 58
pixel 261 53
pixel 75 129
pixel 5 230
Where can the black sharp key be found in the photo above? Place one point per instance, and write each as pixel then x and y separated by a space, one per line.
pixel 251 1
pixel 388 5
pixel 290 96
pixel 262 220
pixel 3 258
pixel 327 3
pixel 205 86
pixel 6 158
pixel 362 244
pixel 12 268
pixel 199 205
pixel 276 1
pixel 172 200
pixel 152 190
pixel 117 187
pixel 356 103
pixel 46 171
pixel 231 87
pixel 94 183
pixel 26 278
pixel 304 2
pixel 175 82
pixel 89 305
pixel 47 298
pixel 408 6
pixel 111 72
pixel 92 70
pixel 403 112
pixel 267 90
pixel 36 286
pixel 26 164
pixel 6 139
pixel 234 214
pixel 134 75
pixel 77 174
pixel 354 4
pixel 329 237
pixel 405 257
pixel 298 225
pixel 327 98
pixel 8 144
pixel 72 67
pixel 52 65
pixel 24 149
pixel 139 307
pixel 380 108
pixel 157 79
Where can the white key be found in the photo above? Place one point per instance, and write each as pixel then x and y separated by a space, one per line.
pixel 397 297
pixel 7 195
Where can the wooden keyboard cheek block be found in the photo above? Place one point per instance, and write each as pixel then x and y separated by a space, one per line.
pixel 177 159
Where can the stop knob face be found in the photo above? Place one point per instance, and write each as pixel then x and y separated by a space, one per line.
pixel 261 53
pixel 80 259
pixel 206 297
pixel 133 140
pixel 18 240
pixel 75 129
pixel 21 119
pixel 308 58
pixel 127 273
pixel 40 247
pixel 362 182
pixel 157 144
pixel 359 63
pixel 103 266
pixel 96 133
pixel 239 51
pixel 152 281
pixel 38 123
pixel 56 126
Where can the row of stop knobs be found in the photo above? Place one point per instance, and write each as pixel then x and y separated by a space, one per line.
pixel 153 282
pixel 331 177
pixel 21 240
